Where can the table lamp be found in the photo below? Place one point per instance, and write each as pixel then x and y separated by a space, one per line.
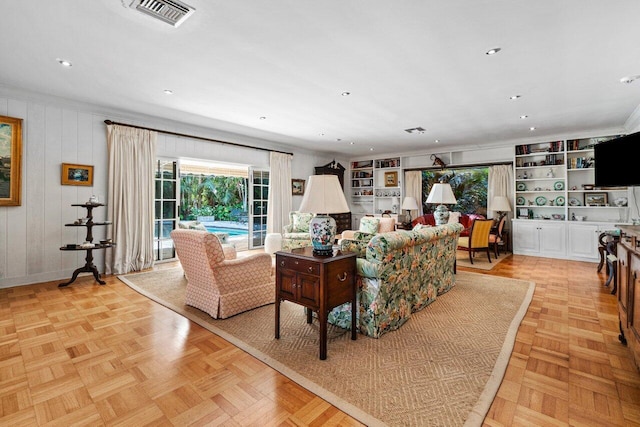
pixel 323 196
pixel 443 194
pixel 409 204
pixel 500 204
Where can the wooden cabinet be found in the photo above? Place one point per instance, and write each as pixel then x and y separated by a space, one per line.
pixel 628 254
pixel 319 283
pixel 343 221
pixel 332 168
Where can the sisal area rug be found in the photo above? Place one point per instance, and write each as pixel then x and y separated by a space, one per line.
pixel 480 261
pixel 441 368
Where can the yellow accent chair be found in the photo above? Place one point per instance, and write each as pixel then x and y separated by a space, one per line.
pixel 478 239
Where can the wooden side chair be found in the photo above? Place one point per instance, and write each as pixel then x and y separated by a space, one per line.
pixel 496 237
pixel 478 238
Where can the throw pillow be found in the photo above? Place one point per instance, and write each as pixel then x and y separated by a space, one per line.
pixel 454 217
pixel 369 225
pixel 198 226
pixel 301 222
pixel 183 226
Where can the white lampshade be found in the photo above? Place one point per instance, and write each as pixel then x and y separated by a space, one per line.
pixel 442 194
pixel 500 204
pixel 409 203
pixel 323 195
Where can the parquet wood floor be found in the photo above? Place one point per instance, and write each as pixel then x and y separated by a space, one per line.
pixel 105 355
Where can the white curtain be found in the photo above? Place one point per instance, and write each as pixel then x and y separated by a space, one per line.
pixel 131 198
pixel 413 188
pixel 500 183
pixel 279 201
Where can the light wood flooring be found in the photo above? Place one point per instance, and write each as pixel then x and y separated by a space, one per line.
pixel 105 355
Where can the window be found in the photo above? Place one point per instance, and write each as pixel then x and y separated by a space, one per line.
pixel 469 186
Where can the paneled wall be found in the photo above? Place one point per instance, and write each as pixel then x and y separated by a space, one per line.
pixel 56 132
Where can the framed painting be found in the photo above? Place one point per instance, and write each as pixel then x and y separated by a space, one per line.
pixel 391 179
pixel 77 174
pixel 595 199
pixel 10 161
pixel 297 187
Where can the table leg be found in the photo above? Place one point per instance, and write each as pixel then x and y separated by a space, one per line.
pixel 277 318
pixel 322 318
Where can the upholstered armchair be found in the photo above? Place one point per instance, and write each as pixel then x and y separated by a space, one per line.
pixel 357 240
pixel 220 286
pixel 296 233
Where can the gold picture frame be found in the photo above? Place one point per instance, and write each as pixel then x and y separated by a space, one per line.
pixel 297 187
pixel 391 179
pixel 73 174
pixel 10 161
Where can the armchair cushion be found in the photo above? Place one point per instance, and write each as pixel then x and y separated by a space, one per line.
pixel 369 225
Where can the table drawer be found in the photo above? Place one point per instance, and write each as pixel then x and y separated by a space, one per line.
pixel 299 265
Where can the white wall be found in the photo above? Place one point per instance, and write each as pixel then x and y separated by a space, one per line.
pixel 57 131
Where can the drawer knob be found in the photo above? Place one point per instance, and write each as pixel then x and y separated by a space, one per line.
pixel 310 269
pixel 281 263
pixel 343 278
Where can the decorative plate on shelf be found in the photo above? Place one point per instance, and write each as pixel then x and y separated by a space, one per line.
pixel 574 202
pixel 541 200
pixel 559 185
pixel 520 201
pixel 521 186
pixel 560 201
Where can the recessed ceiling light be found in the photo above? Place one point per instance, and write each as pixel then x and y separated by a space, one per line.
pixel 338 139
pixel 64 62
pixel 371 149
pixel 437 141
pixel 532 128
pixel 493 51
pixel 515 97
pixel 321 134
pixel 345 93
pixel 168 92
pixel 524 116
pixel 351 143
pixel 263 118
pixel 629 79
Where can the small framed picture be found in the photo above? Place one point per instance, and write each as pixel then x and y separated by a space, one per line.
pixel 297 187
pixel 77 174
pixel 595 199
pixel 10 161
pixel 391 179
pixel 523 213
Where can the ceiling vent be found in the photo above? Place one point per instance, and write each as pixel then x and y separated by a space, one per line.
pixel 419 129
pixel 170 11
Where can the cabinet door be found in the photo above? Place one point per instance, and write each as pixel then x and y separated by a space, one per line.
pixel 286 284
pixel 623 282
pixel 308 288
pixel 633 309
pixel 525 238
pixel 583 241
pixel 552 240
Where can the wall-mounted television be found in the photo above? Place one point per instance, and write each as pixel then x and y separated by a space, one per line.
pixel 617 164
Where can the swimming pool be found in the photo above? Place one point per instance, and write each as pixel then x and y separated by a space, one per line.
pixel 232 232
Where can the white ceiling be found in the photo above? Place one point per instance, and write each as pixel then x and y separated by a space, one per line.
pixel 406 63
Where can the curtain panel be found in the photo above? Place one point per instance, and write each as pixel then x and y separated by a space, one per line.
pixel 131 198
pixel 279 202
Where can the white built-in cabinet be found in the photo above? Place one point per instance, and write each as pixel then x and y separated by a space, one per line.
pixel 558 211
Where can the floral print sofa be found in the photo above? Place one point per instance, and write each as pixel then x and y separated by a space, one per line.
pixel 400 273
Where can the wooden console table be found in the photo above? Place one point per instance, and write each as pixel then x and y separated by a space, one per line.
pixel 319 283
pixel 628 272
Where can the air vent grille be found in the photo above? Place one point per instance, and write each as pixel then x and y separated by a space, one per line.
pixel 418 129
pixel 170 11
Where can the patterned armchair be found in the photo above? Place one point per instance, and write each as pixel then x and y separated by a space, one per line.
pixel 296 233
pixel 402 272
pixel 357 240
pixel 220 286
